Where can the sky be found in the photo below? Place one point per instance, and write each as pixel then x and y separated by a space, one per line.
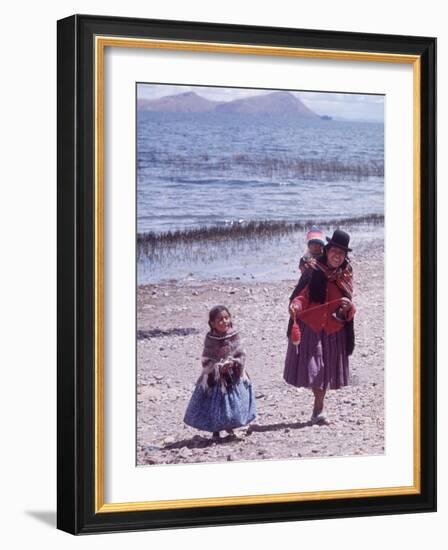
pixel 347 106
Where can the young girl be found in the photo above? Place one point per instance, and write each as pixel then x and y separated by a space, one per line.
pixel 223 398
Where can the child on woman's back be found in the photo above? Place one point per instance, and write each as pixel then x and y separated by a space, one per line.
pixel 223 398
pixel 315 248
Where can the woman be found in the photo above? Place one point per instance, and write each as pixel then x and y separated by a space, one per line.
pixel 321 304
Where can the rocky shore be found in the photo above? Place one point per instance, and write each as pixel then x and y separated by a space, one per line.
pixel 172 322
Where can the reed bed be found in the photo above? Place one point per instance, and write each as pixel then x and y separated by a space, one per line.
pixel 275 167
pixel 204 243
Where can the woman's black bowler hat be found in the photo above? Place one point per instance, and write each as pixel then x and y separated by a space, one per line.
pixel 340 239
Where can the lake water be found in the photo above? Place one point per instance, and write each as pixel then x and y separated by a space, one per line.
pixel 215 169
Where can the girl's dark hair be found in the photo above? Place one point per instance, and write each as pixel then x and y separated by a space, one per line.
pixel 214 312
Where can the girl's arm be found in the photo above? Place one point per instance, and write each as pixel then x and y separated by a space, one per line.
pixel 210 368
pixel 238 358
pixel 209 357
pixel 239 355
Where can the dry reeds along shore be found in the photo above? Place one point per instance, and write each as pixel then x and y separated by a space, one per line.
pixel 278 166
pixel 172 322
pixel 155 244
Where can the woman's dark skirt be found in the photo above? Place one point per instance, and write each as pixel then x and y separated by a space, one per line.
pixel 319 362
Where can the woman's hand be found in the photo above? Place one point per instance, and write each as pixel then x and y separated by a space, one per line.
pixel 294 309
pixel 346 304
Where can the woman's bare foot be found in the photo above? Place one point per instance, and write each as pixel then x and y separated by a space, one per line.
pixel 319 419
pixel 319 396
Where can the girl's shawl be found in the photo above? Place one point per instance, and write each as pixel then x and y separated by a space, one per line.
pixel 317 279
pixel 223 360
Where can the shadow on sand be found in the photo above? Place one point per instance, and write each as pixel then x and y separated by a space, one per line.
pixel 158 333
pixel 279 426
pixel 200 442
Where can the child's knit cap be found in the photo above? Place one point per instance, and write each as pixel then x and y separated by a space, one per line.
pixel 315 235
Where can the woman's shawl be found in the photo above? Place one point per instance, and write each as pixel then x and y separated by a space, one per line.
pixel 343 277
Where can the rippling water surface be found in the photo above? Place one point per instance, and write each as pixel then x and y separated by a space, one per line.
pixel 211 168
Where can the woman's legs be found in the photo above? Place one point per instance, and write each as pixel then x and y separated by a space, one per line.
pixel 319 396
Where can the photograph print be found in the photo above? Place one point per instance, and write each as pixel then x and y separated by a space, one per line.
pixel 260 274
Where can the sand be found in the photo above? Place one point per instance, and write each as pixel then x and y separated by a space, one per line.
pixel 172 322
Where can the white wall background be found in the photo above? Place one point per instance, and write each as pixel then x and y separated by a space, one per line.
pixel 28 271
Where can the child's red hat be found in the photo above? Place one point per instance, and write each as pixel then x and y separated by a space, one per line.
pixel 315 235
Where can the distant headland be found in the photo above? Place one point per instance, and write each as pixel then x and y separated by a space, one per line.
pixel 273 103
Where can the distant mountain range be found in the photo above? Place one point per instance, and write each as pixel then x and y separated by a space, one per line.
pixel 274 103
pixel 188 102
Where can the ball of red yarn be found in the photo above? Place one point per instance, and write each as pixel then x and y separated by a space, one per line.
pixel 296 335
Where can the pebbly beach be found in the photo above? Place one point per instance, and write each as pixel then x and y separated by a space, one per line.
pixel 171 325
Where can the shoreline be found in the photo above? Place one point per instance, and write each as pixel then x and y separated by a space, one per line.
pixel 172 322
pixel 243 228
pixel 264 257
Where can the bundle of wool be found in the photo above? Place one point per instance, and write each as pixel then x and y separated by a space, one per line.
pixel 296 335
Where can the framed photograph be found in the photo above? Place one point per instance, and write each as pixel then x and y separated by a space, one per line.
pixel 246 274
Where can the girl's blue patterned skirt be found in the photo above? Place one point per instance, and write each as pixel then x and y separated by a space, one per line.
pixel 212 410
